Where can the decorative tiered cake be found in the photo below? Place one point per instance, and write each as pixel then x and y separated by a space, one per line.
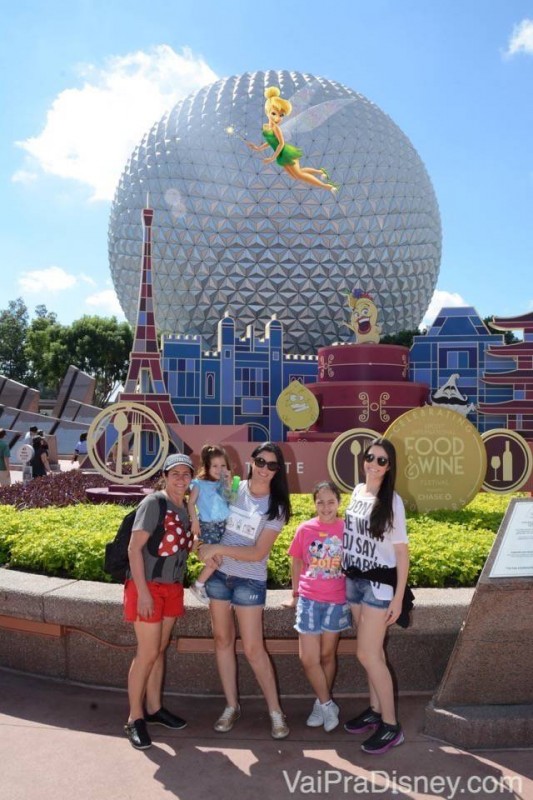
pixel 362 384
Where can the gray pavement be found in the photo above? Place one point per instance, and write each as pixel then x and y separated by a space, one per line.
pixel 60 741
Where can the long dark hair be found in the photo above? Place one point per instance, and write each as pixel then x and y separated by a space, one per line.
pixel 280 500
pixel 382 516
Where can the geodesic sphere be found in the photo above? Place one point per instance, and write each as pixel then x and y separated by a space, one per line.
pixel 233 234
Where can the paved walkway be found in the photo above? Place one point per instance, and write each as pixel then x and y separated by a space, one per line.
pixel 63 742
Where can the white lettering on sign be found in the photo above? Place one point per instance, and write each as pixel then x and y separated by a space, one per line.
pixel 299 467
pixel 440 456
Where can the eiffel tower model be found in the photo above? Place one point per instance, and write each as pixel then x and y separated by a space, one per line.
pixel 144 382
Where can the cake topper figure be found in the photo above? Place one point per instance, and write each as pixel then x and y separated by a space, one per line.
pixel 363 317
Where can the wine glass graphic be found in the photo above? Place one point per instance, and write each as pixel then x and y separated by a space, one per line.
pixel 495 463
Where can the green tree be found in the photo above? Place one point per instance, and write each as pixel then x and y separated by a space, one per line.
pixel 404 338
pixel 101 347
pixel 46 351
pixel 13 329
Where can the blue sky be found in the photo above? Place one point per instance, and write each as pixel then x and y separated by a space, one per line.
pixel 82 81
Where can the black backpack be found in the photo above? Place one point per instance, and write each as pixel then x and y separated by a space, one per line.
pixel 116 561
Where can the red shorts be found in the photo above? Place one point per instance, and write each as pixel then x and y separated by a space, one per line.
pixel 168 601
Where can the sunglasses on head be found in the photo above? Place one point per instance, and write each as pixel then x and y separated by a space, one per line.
pixel 260 462
pixel 382 460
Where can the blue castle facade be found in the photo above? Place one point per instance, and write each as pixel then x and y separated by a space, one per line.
pixel 240 381
pixel 236 384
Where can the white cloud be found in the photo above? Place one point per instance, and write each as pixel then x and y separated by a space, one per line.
pixel 104 303
pixel 90 132
pixel 521 40
pixel 87 279
pixel 24 176
pixel 440 300
pixel 51 279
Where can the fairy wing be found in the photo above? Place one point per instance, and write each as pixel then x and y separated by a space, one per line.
pixel 314 116
pixel 305 97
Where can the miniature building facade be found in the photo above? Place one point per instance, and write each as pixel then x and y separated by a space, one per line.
pixel 459 342
pixel 236 384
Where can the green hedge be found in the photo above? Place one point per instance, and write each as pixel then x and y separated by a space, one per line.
pixel 448 548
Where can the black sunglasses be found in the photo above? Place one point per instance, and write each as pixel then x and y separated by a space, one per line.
pixel 382 460
pixel 260 462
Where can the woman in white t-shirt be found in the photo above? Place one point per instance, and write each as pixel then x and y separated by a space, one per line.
pixel 376 562
pixel 256 516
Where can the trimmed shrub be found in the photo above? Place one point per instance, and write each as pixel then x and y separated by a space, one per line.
pixel 57 489
pixel 448 548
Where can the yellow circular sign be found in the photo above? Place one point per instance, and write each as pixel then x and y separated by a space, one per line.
pixel 345 457
pixel 509 461
pixel 127 443
pixel 441 458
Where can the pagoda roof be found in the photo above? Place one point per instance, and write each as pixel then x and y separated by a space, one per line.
pixel 515 376
pixel 516 349
pixel 523 322
pixel 509 407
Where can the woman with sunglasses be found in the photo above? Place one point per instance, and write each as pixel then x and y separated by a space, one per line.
pixel 256 516
pixel 376 563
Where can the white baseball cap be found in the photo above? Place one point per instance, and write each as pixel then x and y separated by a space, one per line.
pixel 175 459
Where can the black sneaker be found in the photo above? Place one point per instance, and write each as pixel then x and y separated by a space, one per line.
pixel 383 739
pixel 138 735
pixel 368 720
pixel 167 719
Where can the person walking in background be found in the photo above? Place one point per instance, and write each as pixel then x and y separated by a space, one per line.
pixel 29 435
pixel 322 612
pixel 210 492
pixel 5 455
pixel 39 463
pixel 256 516
pixel 81 448
pixel 376 562
pixel 153 595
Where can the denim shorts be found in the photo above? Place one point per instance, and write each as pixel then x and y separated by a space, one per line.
pixel 238 591
pixel 314 616
pixel 358 591
pixel 212 532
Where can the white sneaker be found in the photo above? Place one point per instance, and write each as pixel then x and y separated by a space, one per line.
pixel 280 729
pixel 200 593
pixel 316 717
pixel 330 713
pixel 227 719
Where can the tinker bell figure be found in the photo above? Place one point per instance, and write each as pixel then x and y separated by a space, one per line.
pixel 287 155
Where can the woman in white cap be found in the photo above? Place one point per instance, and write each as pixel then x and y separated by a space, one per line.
pixel 160 542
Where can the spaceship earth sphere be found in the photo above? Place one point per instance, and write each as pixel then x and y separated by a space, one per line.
pixel 234 235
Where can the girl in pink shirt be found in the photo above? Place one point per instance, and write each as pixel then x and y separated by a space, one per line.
pixel 321 612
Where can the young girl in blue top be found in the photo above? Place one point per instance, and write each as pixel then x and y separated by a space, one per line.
pixel 208 506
